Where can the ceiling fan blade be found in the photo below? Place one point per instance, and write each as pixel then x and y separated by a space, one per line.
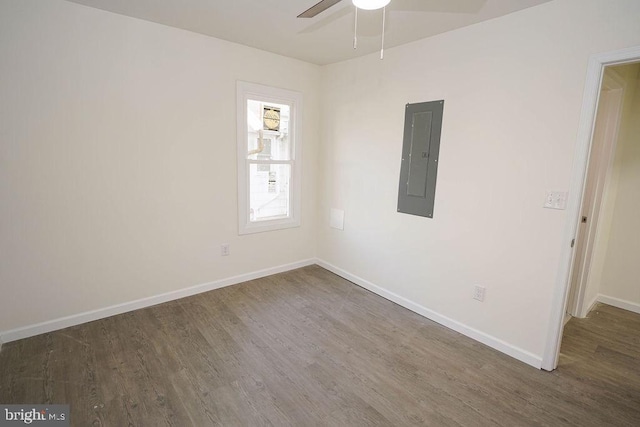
pixel 317 8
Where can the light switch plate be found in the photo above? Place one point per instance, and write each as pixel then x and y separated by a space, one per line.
pixel 556 200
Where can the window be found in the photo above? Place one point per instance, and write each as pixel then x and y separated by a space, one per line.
pixel 268 158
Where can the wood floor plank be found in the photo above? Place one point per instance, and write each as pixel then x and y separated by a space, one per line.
pixel 309 348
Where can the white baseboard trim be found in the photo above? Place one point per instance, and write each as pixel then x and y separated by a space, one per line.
pixel 619 303
pixel 101 313
pixel 491 341
pixel 586 308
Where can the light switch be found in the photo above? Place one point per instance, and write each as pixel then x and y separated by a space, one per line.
pixel 336 219
pixel 556 200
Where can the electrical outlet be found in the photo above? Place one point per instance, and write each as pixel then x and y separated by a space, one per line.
pixel 225 250
pixel 479 292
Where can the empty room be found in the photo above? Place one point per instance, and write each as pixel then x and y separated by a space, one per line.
pixel 310 213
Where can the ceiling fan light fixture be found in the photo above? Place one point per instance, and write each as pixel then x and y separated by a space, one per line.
pixel 370 4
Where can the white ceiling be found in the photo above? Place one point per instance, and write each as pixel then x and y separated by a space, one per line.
pixel 272 25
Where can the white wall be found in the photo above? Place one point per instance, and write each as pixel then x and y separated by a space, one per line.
pixel 513 91
pixel 621 269
pixel 118 160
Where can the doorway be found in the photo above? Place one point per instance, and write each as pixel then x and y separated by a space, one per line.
pixel 598 196
pixel 593 177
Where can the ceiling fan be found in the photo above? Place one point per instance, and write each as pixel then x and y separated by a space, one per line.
pixel 440 6
pixel 323 5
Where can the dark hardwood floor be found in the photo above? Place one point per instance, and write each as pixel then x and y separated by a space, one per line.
pixel 307 348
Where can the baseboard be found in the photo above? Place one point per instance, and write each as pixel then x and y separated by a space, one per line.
pixel 491 341
pixel 619 303
pixel 89 316
pixel 585 311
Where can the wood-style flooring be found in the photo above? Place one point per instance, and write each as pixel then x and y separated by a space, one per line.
pixel 307 348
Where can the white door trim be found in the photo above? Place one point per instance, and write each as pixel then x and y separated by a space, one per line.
pixel 595 69
pixel 604 139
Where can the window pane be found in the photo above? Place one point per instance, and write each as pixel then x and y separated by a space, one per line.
pixel 268 191
pixel 268 131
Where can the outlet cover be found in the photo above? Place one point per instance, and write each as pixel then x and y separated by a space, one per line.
pixel 479 292
pixel 225 250
pixel 336 219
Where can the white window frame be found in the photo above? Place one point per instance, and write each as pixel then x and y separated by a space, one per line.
pixel 268 94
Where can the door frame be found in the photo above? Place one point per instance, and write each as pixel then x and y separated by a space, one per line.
pixel 595 71
pixel 605 134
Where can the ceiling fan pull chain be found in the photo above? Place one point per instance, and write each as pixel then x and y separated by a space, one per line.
pixel 384 16
pixel 355 31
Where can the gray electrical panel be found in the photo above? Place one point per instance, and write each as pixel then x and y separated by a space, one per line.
pixel 420 147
